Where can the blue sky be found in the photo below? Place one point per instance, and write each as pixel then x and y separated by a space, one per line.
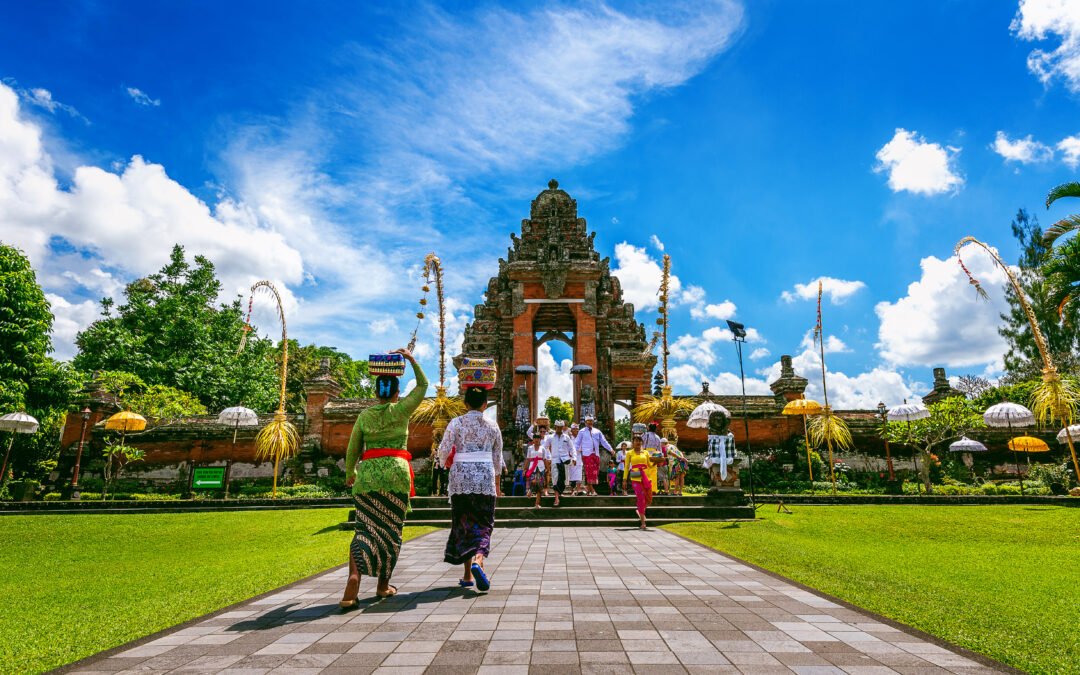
pixel 328 146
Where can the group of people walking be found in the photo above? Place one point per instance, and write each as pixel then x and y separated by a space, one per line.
pixel 383 483
pixel 378 469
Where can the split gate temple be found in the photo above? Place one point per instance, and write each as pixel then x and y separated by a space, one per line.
pixel 553 285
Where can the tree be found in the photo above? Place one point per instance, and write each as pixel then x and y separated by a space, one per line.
pixel 25 323
pixel 973 386
pixel 168 331
pixel 29 379
pixel 556 409
pixel 623 429
pixel 1022 360
pixel 305 363
pixel 949 419
pixel 1063 265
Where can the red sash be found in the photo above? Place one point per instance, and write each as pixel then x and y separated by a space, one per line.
pixel 375 453
pixel 532 466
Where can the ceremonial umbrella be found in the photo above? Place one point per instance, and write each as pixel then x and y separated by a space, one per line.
pixel 1010 415
pixel 1063 435
pixel 238 416
pixel 125 421
pixel 967 446
pixel 908 412
pixel 804 407
pixel 699 416
pixel 15 423
pixel 525 369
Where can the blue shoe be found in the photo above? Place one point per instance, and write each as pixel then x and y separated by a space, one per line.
pixel 482 582
pixel 464 584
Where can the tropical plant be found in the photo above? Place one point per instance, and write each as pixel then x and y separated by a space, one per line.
pixel 117 457
pixel 949 419
pixel 159 403
pixel 1054 399
pixel 827 428
pixel 557 409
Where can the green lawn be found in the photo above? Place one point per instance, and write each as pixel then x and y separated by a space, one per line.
pixel 1000 580
pixel 72 586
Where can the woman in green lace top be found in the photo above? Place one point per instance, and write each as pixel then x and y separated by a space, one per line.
pixel 382 484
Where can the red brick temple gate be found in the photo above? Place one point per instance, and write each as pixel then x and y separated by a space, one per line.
pixel 553 285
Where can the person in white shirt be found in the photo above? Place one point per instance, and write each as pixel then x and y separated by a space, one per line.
pixel 563 455
pixel 536 461
pixel 574 475
pixel 589 442
pixel 620 458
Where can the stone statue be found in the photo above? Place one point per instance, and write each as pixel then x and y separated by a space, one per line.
pixel 521 411
pixel 588 401
pixel 720 458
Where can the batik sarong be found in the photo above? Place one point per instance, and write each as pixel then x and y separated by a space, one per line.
pixel 473 519
pixel 377 541
pixel 592 468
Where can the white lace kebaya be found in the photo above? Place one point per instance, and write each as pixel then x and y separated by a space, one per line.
pixel 478 460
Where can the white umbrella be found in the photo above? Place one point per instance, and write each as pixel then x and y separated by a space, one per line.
pixel 907 412
pixel 1074 431
pixel 1008 415
pixel 238 416
pixel 699 417
pixel 16 423
pixel 965 444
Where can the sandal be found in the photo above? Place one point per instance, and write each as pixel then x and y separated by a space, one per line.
pixel 349 605
pixel 482 582
pixel 464 584
pixel 391 591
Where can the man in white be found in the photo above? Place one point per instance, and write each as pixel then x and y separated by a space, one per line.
pixel 588 444
pixel 563 455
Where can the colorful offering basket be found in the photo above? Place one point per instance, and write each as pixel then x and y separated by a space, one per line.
pixel 386 364
pixel 477 373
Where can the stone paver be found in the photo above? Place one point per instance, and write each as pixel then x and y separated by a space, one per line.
pixel 564 600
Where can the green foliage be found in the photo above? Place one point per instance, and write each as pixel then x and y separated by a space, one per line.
pixel 556 409
pixel 304 364
pixel 25 323
pixel 1048 474
pixel 117 457
pixel 1019 392
pixel 623 429
pixel 949 419
pixel 159 402
pixel 938 569
pixel 168 331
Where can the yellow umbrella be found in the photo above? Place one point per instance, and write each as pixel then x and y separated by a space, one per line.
pixel 1027 444
pixel 804 407
pixel 125 421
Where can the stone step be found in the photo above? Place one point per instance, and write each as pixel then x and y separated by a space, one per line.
pixel 733 498
pixel 631 523
pixel 550 512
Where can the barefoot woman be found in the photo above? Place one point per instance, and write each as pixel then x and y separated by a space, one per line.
pixel 472 446
pixel 382 484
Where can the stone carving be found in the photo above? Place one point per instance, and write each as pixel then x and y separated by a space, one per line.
pixel 720 457
pixel 588 401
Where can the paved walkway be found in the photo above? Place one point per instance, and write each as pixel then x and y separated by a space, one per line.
pixel 695 611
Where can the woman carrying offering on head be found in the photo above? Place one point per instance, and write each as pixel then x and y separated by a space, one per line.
pixel 383 483
pixel 636 472
pixel 477 462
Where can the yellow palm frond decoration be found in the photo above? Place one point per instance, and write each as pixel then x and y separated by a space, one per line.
pixel 1054 399
pixel 444 406
pixel 658 407
pixel 828 429
pixel 278 440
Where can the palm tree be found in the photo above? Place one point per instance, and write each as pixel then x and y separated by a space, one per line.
pixel 1062 269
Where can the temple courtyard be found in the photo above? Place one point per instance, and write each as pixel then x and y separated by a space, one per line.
pixel 990 579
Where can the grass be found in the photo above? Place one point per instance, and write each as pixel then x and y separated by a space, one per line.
pixel 1000 580
pixel 74 585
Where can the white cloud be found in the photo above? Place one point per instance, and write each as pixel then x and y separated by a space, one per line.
pixel 918 166
pixel 760 353
pixel 1044 19
pixel 42 98
pixel 838 290
pixel 700 350
pixel 639 275
pixel 68 319
pixel 941 322
pixel 656 242
pixel 142 98
pixel 1024 150
pixel 123 223
pixel 383 325
pixel 554 378
pixel 687 378
pixel 1070 150
pixel 720 310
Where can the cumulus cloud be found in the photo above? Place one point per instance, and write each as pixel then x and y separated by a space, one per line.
pixel 838 290
pixel 1070 150
pixel 719 310
pixel 68 319
pixel 918 166
pixel 687 378
pixel 700 350
pixel 1038 20
pixel 760 353
pixel 639 275
pixel 1024 150
pixel 940 322
pixel 553 377
pixel 142 98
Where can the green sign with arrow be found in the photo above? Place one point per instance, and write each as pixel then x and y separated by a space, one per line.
pixel 208 478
